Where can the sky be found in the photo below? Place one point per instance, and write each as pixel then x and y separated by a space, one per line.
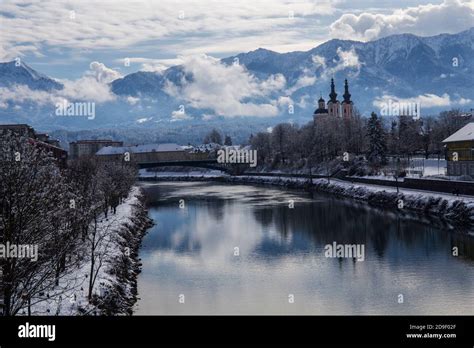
pixel 111 38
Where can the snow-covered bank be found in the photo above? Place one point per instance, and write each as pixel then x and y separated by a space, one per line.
pixel 458 210
pixel 117 267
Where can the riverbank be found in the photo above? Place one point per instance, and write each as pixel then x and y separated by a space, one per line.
pixel 458 210
pixel 116 266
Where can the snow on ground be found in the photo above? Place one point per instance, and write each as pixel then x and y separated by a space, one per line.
pixel 426 167
pixel 458 209
pixel 71 294
pixel 405 191
pixel 368 187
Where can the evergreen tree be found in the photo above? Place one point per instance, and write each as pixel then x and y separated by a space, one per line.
pixel 213 137
pixel 376 154
pixel 228 140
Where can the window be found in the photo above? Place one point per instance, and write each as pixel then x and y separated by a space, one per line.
pixel 471 169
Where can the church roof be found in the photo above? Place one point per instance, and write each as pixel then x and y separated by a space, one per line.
pixel 321 111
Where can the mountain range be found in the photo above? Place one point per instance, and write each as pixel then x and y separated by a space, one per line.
pixel 437 69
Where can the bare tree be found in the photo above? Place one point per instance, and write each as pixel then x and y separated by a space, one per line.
pixel 34 213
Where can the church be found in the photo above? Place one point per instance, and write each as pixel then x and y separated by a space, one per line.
pixel 334 107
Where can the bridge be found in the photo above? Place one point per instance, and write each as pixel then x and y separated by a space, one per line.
pixel 166 155
pixel 206 163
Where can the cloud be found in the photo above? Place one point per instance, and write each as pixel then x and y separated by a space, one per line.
pixel 451 15
pixel 143 120
pixel 285 101
pixel 303 103
pixel 88 89
pixel 179 116
pixel 308 78
pixel 132 100
pixel 226 90
pixel 318 61
pixel 23 94
pixel 18 51
pixel 207 117
pixel 102 73
pixel 347 60
pixel 427 100
pixel 92 87
pixel 151 64
pixel 90 25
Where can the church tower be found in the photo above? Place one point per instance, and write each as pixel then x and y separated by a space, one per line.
pixel 321 110
pixel 333 103
pixel 347 103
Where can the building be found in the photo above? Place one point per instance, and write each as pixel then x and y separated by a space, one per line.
pixel 82 148
pixel 334 108
pixel 40 140
pixel 460 151
pixel 19 129
pixel 150 153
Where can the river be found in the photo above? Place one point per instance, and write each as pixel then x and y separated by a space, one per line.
pixel 242 249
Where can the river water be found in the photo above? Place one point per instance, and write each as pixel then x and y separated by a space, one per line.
pixel 241 249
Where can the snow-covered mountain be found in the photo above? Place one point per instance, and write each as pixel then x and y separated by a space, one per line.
pixel 403 66
pixel 438 68
pixel 19 73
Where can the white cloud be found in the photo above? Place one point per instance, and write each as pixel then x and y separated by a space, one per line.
pixel 285 101
pixel 427 100
pixel 132 100
pixel 318 61
pixel 17 51
pixel 347 60
pixel 303 101
pixel 150 64
pixel 86 88
pixel 451 15
pixel 273 83
pixel 91 87
pixel 102 73
pixel 307 79
pixel 207 117
pixel 122 23
pixel 179 116
pixel 224 89
pixel 144 119
pixel 23 94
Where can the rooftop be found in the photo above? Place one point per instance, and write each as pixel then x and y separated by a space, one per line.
pixel 466 133
pixel 111 150
pixel 91 141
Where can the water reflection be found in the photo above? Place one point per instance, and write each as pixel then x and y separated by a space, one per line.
pixel 190 251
